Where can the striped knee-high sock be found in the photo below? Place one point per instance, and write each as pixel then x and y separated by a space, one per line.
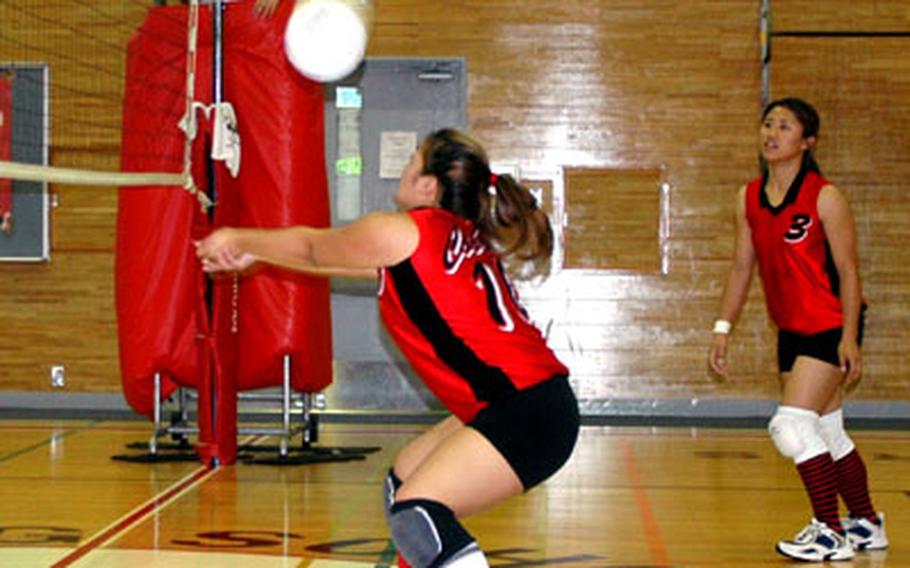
pixel 853 486
pixel 820 479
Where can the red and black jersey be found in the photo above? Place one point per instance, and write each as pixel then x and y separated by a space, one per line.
pixel 794 259
pixel 455 317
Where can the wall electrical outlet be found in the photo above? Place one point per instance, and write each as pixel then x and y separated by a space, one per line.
pixel 58 376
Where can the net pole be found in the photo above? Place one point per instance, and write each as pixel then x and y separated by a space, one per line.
pixel 223 380
pixel 213 192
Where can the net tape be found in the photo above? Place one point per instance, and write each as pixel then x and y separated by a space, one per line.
pixel 75 176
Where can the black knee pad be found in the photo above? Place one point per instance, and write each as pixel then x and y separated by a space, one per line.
pixel 390 486
pixel 427 534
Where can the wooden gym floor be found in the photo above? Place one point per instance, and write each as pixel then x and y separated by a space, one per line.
pixel 631 497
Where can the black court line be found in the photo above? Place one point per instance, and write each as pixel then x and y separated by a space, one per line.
pixel 33 447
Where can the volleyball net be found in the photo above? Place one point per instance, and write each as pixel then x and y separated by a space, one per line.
pixel 154 98
pixel 62 85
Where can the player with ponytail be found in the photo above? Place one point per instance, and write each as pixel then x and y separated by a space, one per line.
pixel 446 300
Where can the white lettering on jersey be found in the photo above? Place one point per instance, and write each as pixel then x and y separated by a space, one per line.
pixel 459 248
pixel 485 279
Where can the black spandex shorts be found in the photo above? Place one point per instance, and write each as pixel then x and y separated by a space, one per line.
pixel 821 346
pixel 535 429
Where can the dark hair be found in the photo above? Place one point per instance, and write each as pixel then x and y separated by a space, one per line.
pixel 507 216
pixel 807 116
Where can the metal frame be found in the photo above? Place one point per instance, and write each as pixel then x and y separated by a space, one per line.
pixel 180 426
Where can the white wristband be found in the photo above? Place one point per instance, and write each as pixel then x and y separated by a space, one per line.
pixel 722 327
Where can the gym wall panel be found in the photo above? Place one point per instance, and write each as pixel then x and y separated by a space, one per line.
pixel 619 84
pixel 613 219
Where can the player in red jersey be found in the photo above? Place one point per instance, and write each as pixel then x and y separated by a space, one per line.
pixel 445 299
pixel 800 230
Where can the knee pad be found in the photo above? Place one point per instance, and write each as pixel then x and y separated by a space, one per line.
pixel 795 432
pixel 427 534
pixel 390 486
pixel 831 426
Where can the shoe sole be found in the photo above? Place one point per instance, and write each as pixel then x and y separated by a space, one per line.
pixel 828 557
pixel 865 547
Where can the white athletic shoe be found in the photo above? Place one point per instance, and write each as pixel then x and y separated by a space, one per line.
pixel 865 535
pixel 816 543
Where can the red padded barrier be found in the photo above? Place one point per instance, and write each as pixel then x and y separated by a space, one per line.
pixel 161 300
pixel 161 319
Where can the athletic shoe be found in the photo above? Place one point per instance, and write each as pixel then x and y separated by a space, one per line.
pixel 816 543
pixel 866 535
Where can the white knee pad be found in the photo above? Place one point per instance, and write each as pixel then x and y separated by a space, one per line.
pixel 832 430
pixel 795 432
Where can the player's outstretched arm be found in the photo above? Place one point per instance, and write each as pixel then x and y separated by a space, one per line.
pixel 356 250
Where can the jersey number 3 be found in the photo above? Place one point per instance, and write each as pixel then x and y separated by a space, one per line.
pixel 799 228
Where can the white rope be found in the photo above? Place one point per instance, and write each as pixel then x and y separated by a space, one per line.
pixel 189 116
pixel 72 176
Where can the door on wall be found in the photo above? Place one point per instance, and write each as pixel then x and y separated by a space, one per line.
pixel 23 140
pixel 374 120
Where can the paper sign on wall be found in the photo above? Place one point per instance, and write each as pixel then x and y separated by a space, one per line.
pixel 395 149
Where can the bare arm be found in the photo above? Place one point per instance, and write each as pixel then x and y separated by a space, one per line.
pixel 356 250
pixel 840 231
pixel 6 223
pixel 737 287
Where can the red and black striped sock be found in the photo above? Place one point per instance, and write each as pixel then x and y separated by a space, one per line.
pixel 853 485
pixel 820 479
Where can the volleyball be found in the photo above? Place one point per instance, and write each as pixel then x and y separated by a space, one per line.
pixel 325 40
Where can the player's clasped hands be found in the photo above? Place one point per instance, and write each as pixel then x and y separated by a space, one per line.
pixel 218 253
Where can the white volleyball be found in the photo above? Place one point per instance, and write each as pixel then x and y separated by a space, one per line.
pixel 326 40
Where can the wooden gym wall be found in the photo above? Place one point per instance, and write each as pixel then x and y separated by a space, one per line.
pixel 670 88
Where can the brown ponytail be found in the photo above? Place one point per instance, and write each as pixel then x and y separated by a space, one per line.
pixel 510 218
pixel 503 209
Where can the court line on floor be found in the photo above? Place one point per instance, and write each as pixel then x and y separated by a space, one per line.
pixel 127 521
pixel 656 546
pixel 47 442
